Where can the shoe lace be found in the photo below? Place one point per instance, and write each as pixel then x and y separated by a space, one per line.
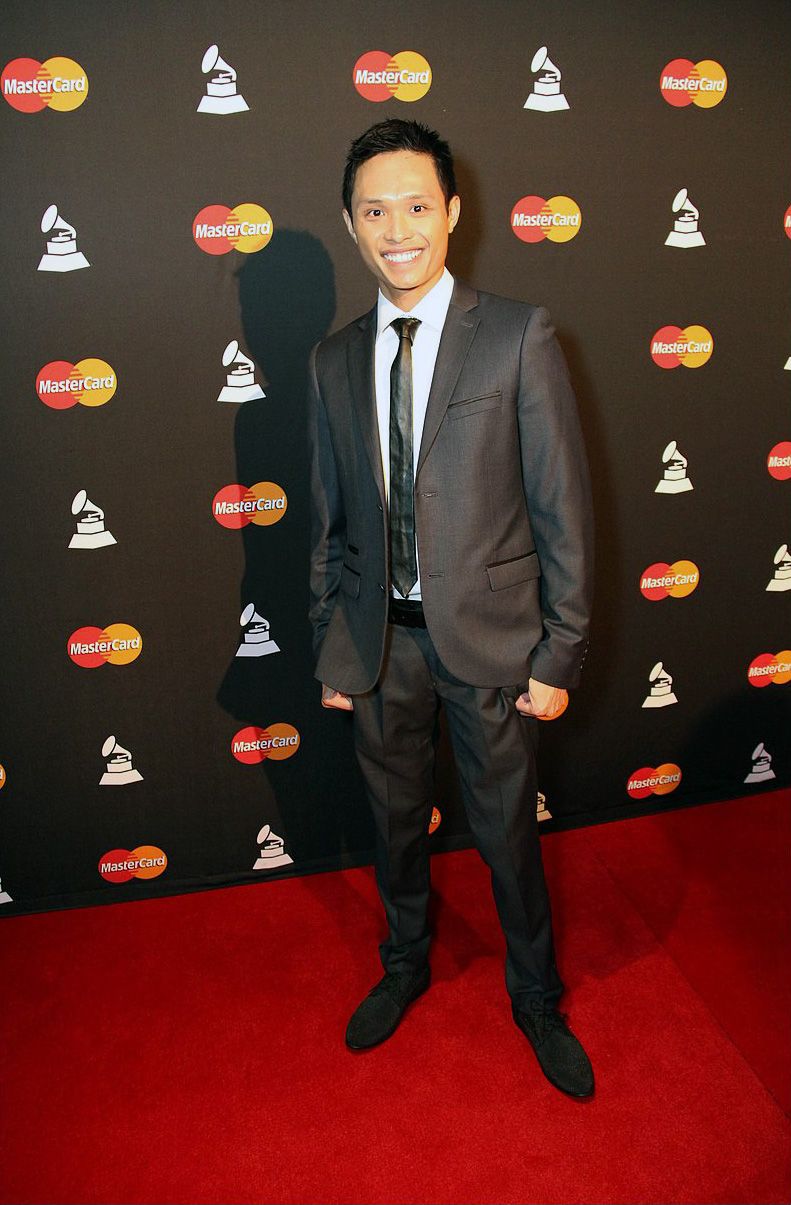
pixel 392 984
pixel 546 1020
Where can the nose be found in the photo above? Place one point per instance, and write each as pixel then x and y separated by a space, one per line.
pixel 397 227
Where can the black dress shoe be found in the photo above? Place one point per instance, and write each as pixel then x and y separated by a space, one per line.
pixel 380 1013
pixel 560 1055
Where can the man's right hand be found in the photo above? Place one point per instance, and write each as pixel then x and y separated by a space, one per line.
pixel 334 698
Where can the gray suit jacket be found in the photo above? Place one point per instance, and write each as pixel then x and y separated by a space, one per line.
pixel 502 503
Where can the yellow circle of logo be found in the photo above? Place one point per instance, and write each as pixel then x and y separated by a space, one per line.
pixel 127 643
pixel 699 346
pixel 255 227
pixel 712 84
pixel 414 75
pixel 98 381
pixel 271 503
pixel 69 84
pixel 566 219
pixel 686 576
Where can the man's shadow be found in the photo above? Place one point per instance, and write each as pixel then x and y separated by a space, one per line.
pixel 287 303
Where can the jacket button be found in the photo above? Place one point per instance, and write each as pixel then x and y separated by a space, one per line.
pixel 381 586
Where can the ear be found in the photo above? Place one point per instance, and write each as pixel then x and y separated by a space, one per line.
pixel 454 209
pixel 349 224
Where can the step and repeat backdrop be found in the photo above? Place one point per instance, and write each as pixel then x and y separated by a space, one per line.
pixel 173 248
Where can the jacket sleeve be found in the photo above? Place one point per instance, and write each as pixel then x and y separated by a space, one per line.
pixel 328 518
pixel 557 489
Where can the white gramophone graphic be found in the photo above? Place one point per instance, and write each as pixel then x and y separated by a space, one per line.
pixel 61 254
pixel 546 96
pixel 221 95
pixel 91 531
pixel 661 692
pixel 762 765
pixel 240 384
pixel 674 479
pixel 271 851
pixel 685 231
pixel 120 770
pixel 5 898
pixel 257 641
pixel 782 575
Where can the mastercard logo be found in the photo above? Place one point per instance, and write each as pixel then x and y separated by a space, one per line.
pixel 264 503
pixel 30 86
pixel 650 781
pixel 2 778
pixel 769 667
pixel 252 745
pixel 91 647
pixel 121 865
pixel 675 581
pixel 778 462
pixel 61 384
pixel 686 83
pixel 218 229
pixel 378 76
pixel 435 821
pixel 787 221
pixel 672 346
pixel 533 219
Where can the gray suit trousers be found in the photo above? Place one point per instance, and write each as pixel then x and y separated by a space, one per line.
pixel 494 750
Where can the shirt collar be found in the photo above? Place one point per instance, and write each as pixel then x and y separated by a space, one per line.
pixel 431 310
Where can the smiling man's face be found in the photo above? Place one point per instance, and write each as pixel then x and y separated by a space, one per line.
pixel 401 224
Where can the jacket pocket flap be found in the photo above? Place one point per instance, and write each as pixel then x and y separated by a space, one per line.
pixel 509 573
pixel 350 582
pixel 474 405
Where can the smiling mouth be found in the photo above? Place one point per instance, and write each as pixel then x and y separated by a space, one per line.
pixel 402 257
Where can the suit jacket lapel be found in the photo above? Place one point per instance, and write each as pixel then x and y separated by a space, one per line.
pixel 360 354
pixel 457 335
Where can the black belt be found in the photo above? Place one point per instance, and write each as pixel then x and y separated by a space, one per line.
pixel 406 613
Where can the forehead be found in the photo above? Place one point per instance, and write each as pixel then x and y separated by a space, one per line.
pixel 395 174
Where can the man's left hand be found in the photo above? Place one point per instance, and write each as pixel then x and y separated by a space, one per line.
pixel 542 701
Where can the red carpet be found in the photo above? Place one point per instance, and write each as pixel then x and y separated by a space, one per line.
pixel 191 1049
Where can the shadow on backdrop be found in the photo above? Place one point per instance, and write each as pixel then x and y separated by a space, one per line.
pixel 314 799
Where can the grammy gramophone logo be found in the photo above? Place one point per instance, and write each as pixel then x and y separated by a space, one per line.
pixel 674 479
pixel 240 383
pixel 547 94
pixel 761 770
pixel 119 770
pixel 221 92
pixel 256 639
pixel 660 693
pixel 781 580
pixel 61 254
pixel 271 851
pixel 685 232
pixel 91 531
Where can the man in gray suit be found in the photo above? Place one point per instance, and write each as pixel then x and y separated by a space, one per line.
pixel 450 564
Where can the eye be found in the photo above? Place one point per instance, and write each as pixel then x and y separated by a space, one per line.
pixel 418 208
pixel 373 213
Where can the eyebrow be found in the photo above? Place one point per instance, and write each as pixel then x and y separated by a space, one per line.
pixel 411 196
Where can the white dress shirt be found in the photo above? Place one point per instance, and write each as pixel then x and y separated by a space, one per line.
pixel 432 312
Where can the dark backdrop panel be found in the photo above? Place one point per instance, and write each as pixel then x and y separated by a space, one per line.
pixel 131 167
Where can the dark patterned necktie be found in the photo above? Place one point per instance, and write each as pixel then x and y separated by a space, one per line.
pixel 403 558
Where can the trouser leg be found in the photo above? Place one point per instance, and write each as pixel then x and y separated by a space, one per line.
pixel 393 733
pixel 495 753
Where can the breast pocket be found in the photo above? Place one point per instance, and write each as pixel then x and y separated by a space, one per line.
pixel 475 405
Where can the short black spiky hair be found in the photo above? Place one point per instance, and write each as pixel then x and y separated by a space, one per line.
pixel 396 134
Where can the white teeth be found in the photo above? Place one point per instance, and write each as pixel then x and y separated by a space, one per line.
pixel 401 257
